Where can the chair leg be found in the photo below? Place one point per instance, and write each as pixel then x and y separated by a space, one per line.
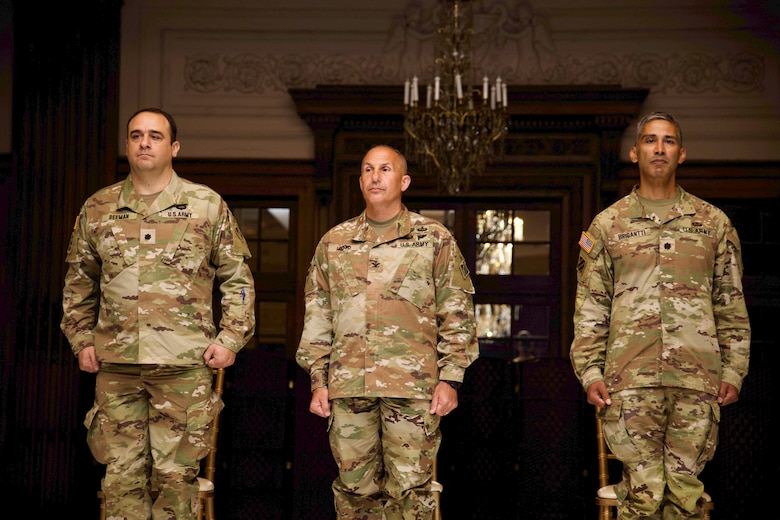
pixel 102 505
pixel 209 506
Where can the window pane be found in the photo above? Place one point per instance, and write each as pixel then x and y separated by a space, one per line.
pixel 445 216
pixel 276 224
pixel 247 219
pixel 493 320
pixel 274 257
pixel 494 259
pixel 494 225
pixel 531 260
pixel 513 242
pixel 267 233
pixel 532 226
pixel 513 331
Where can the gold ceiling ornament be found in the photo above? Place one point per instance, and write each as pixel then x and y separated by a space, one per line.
pixel 460 126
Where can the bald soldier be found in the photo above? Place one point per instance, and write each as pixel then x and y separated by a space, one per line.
pixel 388 334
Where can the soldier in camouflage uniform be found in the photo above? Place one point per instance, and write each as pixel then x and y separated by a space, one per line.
pixel 137 305
pixel 389 332
pixel 662 335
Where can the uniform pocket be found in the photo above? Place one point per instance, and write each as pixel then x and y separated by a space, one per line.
pixel 196 440
pixel 616 435
pixel 96 439
pixel 712 437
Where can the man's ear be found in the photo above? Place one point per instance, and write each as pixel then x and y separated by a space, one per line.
pixel 406 180
pixel 681 158
pixel 632 155
pixel 175 146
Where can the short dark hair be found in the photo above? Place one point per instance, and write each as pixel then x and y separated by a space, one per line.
pixel 658 115
pixel 166 115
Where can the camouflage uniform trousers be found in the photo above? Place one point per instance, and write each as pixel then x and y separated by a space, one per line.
pixel 150 426
pixel 663 437
pixel 384 449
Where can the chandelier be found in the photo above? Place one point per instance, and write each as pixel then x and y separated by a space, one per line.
pixel 459 127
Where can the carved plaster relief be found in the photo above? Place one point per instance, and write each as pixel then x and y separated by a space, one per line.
pixel 514 42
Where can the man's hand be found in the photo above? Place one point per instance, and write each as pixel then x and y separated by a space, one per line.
pixel 320 405
pixel 728 394
pixel 598 395
pixel 445 399
pixel 217 356
pixel 88 360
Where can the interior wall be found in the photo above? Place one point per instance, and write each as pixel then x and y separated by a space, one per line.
pixel 223 69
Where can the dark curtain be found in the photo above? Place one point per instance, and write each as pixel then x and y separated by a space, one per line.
pixel 64 146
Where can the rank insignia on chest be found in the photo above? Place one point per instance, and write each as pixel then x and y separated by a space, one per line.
pixel 148 236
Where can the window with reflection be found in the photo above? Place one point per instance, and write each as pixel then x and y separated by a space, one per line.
pixel 509 251
pixel 513 242
pixel 267 232
pixel 268 235
pixel 519 330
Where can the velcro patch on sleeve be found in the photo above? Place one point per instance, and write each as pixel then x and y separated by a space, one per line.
pixel 586 242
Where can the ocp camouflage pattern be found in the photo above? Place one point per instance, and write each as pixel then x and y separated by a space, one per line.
pixel 660 303
pixel 389 318
pixel 140 279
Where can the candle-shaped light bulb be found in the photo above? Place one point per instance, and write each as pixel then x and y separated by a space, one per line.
pixel 503 94
pixel 493 97
pixel 458 86
pixel 485 87
pixel 499 90
pixel 437 85
pixel 407 87
pixel 428 96
pixel 415 93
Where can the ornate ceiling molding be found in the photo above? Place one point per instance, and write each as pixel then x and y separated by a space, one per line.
pixel 678 73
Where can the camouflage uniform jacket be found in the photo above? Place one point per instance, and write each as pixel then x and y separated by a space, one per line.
pixel 140 279
pixel 387 318
pixel 660 303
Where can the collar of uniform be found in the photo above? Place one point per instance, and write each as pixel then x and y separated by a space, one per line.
pixel 172 194
pixel 637 210
pixel 365 232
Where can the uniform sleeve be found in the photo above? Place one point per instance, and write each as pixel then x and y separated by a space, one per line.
pixel 80 295
pixel 236 284
pixel 457 346
pixel 730 311
pixel 592 309
pixel 316 345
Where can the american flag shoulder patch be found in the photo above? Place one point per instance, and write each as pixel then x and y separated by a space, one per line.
pixel 586 242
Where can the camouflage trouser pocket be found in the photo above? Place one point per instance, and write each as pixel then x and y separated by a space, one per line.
pixel 616 434
pixel 195 442
pixel 96 440
pixel 712 438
